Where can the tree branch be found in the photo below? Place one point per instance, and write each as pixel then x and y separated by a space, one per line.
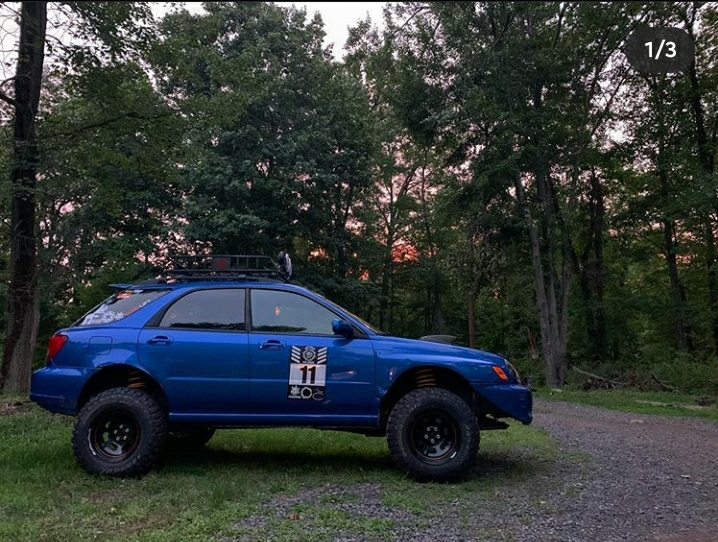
pixel 129 115
pixel 418 10
pixel 6 81
pixel 561 13
pixel 5 98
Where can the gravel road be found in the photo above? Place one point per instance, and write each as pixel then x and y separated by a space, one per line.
pixel 646 477
pixel 616 476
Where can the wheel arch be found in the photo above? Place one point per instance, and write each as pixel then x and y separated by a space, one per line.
pixel 421 376
pixel 120 375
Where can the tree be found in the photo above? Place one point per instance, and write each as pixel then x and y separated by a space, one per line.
pixel 22 302
pixel 92 20
pixel 284 142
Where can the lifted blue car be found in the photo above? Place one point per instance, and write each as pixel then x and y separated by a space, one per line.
pixel 227 342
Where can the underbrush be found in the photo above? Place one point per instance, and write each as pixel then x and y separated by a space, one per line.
pixel 680 374
pixel 664 403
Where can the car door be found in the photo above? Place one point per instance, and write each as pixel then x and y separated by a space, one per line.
pixel 299 367
pixel 198 348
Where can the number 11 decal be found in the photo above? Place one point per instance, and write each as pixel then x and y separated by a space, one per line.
pixel 307 373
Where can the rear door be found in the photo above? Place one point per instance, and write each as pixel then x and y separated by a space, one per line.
pixel 198 348
pixel 298 366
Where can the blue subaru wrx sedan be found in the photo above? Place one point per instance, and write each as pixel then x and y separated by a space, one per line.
pixel 228 342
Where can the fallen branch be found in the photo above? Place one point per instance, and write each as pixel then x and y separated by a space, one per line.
pixel 586 373
pixel 667 387
pixel 613 383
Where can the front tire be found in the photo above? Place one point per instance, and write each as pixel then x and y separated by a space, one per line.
pixel 120 432
pixel 433 435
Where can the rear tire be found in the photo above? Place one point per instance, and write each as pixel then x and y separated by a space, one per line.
pixel 433 435
pixel 120 432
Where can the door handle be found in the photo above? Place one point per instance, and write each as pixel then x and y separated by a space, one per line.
pixel 160 340
pixel 271 345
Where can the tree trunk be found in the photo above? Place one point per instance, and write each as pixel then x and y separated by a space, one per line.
pixel 553 321
pixel 385 301
pixel 386 308
pixel 705 156
pixel 592 274
pixel 471 315
pixel 437 320
pixel 22 303
pixel 470 297
pixel 711 272
pixel 681 328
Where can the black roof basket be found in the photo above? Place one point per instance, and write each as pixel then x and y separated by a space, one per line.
pixel 230 267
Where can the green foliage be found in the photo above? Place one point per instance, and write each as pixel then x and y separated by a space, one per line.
pixel 656 402
pixel 391 176
pixel 108 193
pixel 290 153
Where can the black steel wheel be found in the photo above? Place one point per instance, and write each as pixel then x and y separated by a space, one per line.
pixel 115 436
pixel 433 435
pixel 120 432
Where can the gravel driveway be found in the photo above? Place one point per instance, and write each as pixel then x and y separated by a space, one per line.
pixel 616 476
pixel 647 477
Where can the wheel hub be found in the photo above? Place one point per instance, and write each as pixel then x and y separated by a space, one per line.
pixel 434 438
pixel 115 436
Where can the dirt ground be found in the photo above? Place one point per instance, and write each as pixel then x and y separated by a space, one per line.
pixel 616 476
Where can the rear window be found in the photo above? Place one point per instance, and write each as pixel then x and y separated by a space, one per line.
pixel 119 305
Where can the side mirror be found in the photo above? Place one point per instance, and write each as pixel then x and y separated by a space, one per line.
pixel 285 264
pixel 343 328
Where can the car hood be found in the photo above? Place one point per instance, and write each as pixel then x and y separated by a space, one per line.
pixel 387 344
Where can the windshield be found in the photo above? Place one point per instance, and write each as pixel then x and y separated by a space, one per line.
pixel 119 305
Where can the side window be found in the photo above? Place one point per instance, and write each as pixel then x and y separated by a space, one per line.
pixel 221 309
pixel 287 312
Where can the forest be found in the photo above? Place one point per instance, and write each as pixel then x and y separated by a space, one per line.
pixel 496 171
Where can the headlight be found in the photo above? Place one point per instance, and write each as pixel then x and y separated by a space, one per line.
pixel 513 369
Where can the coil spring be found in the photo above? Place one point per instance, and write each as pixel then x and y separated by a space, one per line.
pixel 136 380
pixel 425 378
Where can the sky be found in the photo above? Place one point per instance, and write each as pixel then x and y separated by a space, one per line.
pixel 337 17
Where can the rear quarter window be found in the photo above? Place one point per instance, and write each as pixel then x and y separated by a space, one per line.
pixel 120 305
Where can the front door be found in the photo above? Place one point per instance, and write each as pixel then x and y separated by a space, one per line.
pixel 299 367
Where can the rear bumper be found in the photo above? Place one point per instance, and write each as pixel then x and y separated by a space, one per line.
pixel 57 388
pixel 513 400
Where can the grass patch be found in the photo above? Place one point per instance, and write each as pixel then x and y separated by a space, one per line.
pixel 262 484
pixel 643 402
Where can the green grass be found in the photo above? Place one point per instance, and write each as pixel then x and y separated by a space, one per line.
pixel 671 404
pixel 263 484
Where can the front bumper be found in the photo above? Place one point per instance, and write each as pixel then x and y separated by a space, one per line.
pixel 512 400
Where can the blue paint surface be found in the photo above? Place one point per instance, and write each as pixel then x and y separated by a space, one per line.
pixel 241 378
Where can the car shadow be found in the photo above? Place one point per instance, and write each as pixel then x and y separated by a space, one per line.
pixel 502 465
pixel 488 466
pixel 210 457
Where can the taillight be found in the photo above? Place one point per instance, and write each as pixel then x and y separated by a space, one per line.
pixel 55 344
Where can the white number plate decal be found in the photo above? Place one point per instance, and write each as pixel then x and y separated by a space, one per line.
pixel 307 373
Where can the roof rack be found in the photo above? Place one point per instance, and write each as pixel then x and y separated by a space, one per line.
pixel 230 267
